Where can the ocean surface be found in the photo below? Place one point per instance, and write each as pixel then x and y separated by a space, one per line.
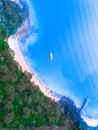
pixel 68 29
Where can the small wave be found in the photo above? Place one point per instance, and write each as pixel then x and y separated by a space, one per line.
pixel 90 121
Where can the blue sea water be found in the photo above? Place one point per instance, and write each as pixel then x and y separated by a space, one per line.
pixel 68 29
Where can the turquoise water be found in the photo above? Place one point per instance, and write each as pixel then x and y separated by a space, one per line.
pixel 68 29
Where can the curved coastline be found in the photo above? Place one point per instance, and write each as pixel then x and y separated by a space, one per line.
pixel 14 44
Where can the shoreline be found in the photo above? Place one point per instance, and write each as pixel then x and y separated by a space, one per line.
pixel 14 44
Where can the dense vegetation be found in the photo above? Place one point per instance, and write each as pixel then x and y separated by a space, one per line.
pixel 11 17
pixel 22 105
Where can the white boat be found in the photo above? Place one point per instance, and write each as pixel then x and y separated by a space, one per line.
pixel 51 56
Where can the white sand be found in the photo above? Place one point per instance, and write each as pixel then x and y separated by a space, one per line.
pixel 14 45
pixel 13 42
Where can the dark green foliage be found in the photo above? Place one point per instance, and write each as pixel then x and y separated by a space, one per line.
pixel 11 17
pixel 3 45
pixel 22 105
pixel 21 102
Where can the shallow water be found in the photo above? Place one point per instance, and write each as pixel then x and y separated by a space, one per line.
pixel 69 30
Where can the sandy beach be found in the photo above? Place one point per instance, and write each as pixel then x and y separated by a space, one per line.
pixel 14 44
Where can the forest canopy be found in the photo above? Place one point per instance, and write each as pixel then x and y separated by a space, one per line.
pixel 22 105
pixel 11 17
